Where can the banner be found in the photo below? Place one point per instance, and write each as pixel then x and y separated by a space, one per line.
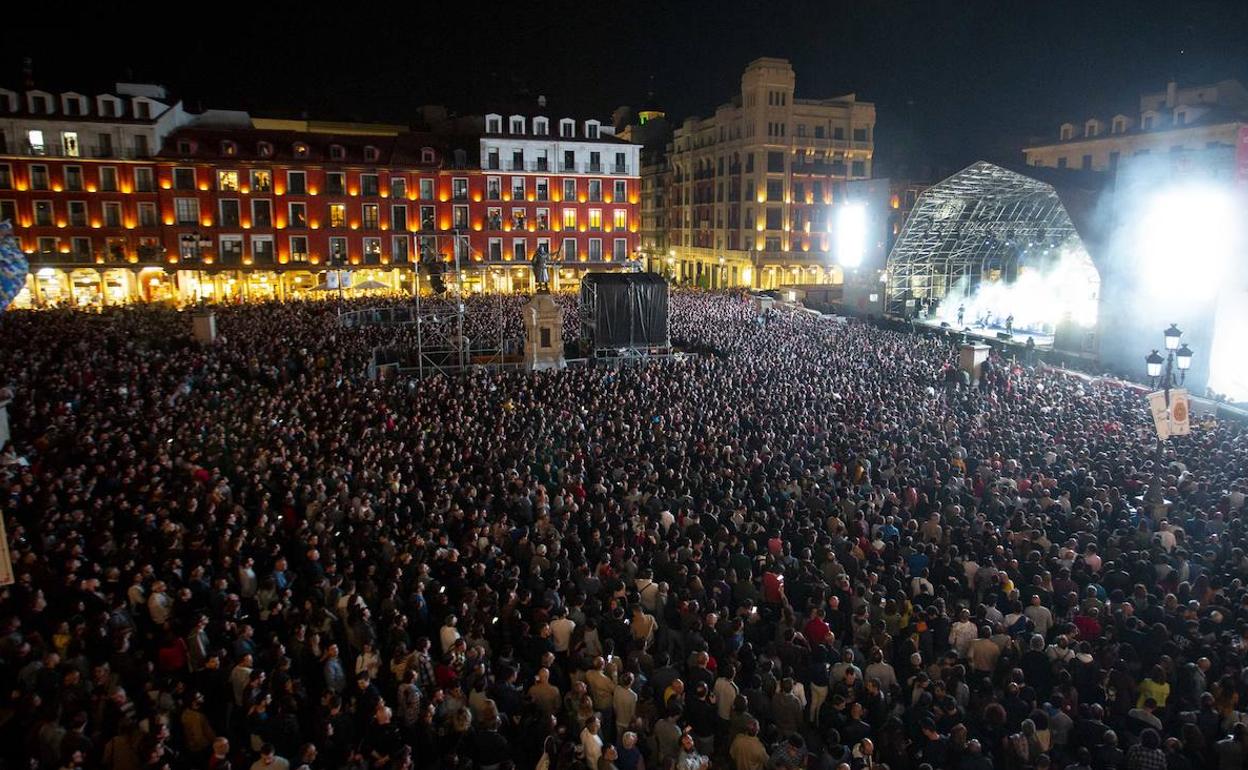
pixel 6 562
pixel 1174 420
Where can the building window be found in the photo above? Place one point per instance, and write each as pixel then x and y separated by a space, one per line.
pixel 6 176
pixel 38 177
pixel 69 141
pixel 517 188
pixel 774 219
pixel 426 218
pixel 261 181
pixel 77 214
pixel 143 180
pixel 231 249
pixel 1087 162
pixel 591 130
pixel 494 124
pixel 371 216
pixel 543 219
pixel 337 251
pixel 427 156
pixel 459 189
pixel 300 150
pixel 426 189
pixel 595 190
pixel 1061 162
pixel 595 163
pixel 262 249
pixel 34 142
pixel 541 126
pixel 337 215
pixel 229 149
pixel 372 251
pixel 860 134
pixel 495 253
pixel 459 217
pixel 620 195
pixel 369 185
pixel 1113 160
pixel 775 163
pixel 147 215
pixel 1180 119
pixel 491 159
pixel 517 125
pixel 296 183
pixel 493 188
pixel 186 211
pixel 567 129
pixel 261 213
pixel 569 190
pixel 337 152
pixel 400 249
pixel 568 250
pixel 335 183
pixel 543 189
pixel 519 250
pixel 371 154
pixel 184 179
pixel 1120 126
pixel 775 189
pixel 569 219
pixel 81 248
pixel 229 212
pixel 858 168
pixel 227 181
pixel 108 179
pixel 8 211
pixel 517 219
pixel 264 150
pixel 112 214
pixel 619 219
pixel 595 249
pixel 398 187
pixel 298 215
pixel 143 110
pixel 398 218
pixel 620 250
pixel 299 248
pixel 73 178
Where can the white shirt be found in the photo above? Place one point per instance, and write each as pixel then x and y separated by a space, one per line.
pixel 961 634
pixel 561 633
pixel 592 744
pixel 725 696
pixel 448 636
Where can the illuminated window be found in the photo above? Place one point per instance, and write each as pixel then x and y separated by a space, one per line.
pixel 337 215
pixel 459 189
pixel 34 141
pixel 227 181
pixel 371 216
pixel 619 219
pixel 298 215
pixel 595 219
pixel 569 219
pixel 372 250
pixel 69 142
pixel 460 218
pixel 261 181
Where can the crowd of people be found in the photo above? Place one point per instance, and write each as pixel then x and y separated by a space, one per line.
pixel 809 546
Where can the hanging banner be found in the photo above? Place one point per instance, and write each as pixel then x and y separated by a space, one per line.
pixel 1174 420
pixel 1161 416
pixel 6 562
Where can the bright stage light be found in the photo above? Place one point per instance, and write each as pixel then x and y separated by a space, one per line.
pixel 1186 238
pixel 851 234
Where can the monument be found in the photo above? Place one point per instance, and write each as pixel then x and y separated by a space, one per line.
pixel 543 321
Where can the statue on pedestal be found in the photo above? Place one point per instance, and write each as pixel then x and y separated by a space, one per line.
pixel 541 270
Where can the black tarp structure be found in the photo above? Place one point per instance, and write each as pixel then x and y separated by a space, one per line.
pixel 625 310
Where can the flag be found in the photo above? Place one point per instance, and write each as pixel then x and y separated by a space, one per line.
pixel 6 562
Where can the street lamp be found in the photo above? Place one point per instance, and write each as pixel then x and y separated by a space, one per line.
pixel 1177 357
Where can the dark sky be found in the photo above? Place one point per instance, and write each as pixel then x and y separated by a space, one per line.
pixel 954 80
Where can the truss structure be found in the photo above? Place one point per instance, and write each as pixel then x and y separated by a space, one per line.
pixel 982 223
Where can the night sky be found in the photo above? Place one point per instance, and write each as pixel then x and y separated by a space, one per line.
pixel 953 80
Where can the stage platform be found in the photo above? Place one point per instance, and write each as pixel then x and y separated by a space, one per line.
pixel 1043 341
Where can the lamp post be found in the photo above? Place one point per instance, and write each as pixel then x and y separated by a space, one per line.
pixel 1178 357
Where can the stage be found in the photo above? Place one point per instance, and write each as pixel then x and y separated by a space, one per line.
pixel 1043 341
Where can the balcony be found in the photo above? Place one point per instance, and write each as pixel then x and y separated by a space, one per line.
pixel 567 168
pixel 491 164
pixel 58 150
pixel 593 168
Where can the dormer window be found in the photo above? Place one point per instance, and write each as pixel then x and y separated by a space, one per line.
pixel 337 152
pixel 1180 117
pixel 1068 131
pixel 1147 124
pixel 108 107
pixel 264 150
pixel 426 155
pixel 73 106
pixel 301 150
pixel 371 154
pixel 1092 128
pixel 39 104
pixel 517 125
pixel 229 149
pixel 591 129
pixel 142 109
pixel 186 147
pixel 1120 125
pixel 493 124
pixel 567 128
pixel 541 126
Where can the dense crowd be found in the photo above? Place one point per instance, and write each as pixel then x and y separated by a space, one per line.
pixel 811 546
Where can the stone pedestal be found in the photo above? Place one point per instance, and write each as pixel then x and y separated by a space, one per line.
pixel 543 334
pixel 971 359
pixel 204 326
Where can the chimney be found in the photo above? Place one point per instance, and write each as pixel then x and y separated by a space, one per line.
pixel 28 73
pixel 1172 93
pixel 541 101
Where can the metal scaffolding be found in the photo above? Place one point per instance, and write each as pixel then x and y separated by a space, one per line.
pixel 982 223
